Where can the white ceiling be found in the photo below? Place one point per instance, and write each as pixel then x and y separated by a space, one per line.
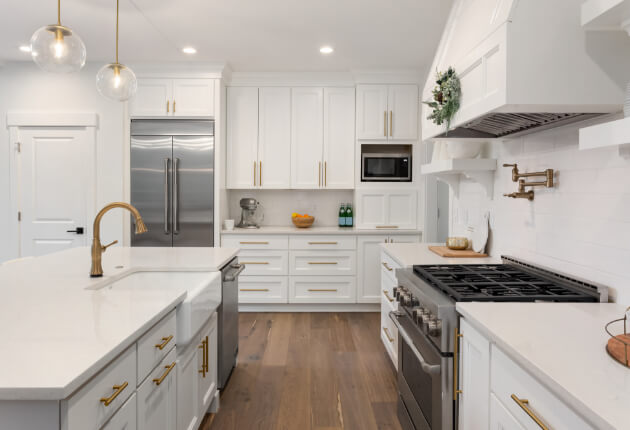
pixel 250 35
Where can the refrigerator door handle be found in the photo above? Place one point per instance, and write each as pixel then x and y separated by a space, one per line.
pixel 175 196
pixel 166 205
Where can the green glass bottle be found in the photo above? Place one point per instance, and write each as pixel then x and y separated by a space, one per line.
pixel 349 215
pixel 342 215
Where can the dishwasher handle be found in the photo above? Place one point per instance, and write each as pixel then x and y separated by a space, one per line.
pixel 231 277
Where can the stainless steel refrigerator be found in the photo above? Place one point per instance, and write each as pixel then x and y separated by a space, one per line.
pixel 172 181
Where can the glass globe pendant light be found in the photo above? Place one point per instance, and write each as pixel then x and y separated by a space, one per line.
pixel 56 48
pixel 116 81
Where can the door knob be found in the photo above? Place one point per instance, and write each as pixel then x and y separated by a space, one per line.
pixel 78 230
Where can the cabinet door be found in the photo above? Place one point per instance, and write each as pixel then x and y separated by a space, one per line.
pixel 187 388
pixel 193 97
pixel 500 417
pixel 369 287
pixel 371 208
pixel 208 380
pixel 401 207
pixel 403 112
pixel 152 97
pixel 242 137
pixel 157 396
pixel 125 418
pixel 274 137
pixel 307 135
pixel 474 379
pixel 372 115
pixel 339 140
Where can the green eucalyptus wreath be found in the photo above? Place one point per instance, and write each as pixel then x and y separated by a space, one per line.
pixel 446 96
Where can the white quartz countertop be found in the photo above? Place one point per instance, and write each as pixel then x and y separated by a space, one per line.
pixel 290 229
pixel 563 346
pixel 408 254
pixel 59 328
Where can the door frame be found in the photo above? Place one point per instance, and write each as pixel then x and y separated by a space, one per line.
pixel 18 120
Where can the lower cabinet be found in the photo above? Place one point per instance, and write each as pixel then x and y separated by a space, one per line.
pixel 322 289
pixel 384 208
pixel 263 289
pixel 157 396
pixel 125 418
pixel 474 377
pixel 500 418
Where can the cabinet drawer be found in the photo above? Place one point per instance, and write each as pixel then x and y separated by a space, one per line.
pixel 507 378
pixel 387 287
pixel 388 267
pixel 157 396
pixel 323 262
pixel 323 242
pixel 322 289
pixel 263 289
pixel 255 241
pixel 389 331
pixel 87 408
pixel 155 344
pixel 271 263
pixel 125 418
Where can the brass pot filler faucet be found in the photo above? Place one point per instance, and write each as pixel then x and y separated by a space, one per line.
pixel 517 177
pixel 97 247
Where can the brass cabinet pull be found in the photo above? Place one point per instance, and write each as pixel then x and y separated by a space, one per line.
pixel 385 265
pixel 323 243
pixel 207 359
pixel 389 337
pixel 204 360
pixel 173 106
pixel 322 262
pixel 254 262
pixel 323 289
pixel 325 174
pixel 387 296
pixel 260 174
pixel 168 368
pixel 166 340
pixel 385 123
pixel 319 177
pixel 255 289
pixel 523 403
pixel 254 174
pixel 167 106
pixel 254 243
pixel 386 226
pixel 391 121
pixel 456 391
pixel 117 390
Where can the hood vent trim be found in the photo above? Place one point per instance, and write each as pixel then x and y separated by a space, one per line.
pixel 497 125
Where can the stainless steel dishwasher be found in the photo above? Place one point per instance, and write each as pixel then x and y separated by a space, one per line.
pixel 228 320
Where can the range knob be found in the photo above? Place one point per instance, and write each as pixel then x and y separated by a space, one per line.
pixel 407 299
pixel 426 321
pixel 420 314
pixel 434 328
pixel 399 291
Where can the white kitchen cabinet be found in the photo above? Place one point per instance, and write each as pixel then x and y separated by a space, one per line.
pixel 500 417
pixel 474 369
pixel 274 137
pixel 188 374
pixel 242 137
pixel 173 97
pixel 315 263
pixel 207 357
pixel 307 137
pixel 125 418
pixel 157 397
pixel 387 112
pixel 263 289
pixel 339 142
pixel 322 289
pixel 385 208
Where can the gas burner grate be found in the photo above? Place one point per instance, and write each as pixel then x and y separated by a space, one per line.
pixel 498 282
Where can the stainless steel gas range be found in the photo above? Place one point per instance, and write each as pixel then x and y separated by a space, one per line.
pixel 428 326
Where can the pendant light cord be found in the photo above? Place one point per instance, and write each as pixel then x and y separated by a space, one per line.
pixel 58 12
pixel 117 3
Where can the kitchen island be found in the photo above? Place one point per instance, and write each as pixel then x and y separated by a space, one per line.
pixel 64 330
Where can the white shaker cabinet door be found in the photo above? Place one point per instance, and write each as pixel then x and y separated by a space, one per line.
pixel 369 280
pixel 403 104
pixel 242 137
pixel 372 115
pixel 339 139
pixel 188 369
pixel 157 396
pixel 193 97
pixel 401 207
pixel 153 98
pixel 500 417
pixel 125 418
pixel 207 381
pixel 307 135
pixel 371 208
pixel 274 137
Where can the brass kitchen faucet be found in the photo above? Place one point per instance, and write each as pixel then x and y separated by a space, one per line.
pixel 517 177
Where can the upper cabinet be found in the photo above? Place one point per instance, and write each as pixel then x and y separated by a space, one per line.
pixel 242 137
pixel 339 140
pixel 387 112
pixel 307 137
pixel 173 97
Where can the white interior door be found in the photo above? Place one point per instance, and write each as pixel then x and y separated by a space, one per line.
pixel 54 188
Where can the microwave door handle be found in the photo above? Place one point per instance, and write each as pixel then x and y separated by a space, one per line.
pixel 432 369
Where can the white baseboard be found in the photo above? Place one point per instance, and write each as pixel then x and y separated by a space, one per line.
pixel 308 307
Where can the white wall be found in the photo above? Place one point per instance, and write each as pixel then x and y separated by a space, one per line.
pixel 24 87
pixel 580 227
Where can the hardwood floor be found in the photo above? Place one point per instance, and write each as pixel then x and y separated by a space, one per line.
pixel 299 371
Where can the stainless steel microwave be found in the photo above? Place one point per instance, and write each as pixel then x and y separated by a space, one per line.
pixel 385 167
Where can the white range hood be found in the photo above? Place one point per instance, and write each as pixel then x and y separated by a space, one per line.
pixel 525 65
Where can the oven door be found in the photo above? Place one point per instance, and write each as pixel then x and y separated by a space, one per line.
pixel 386 168
pixel 425 403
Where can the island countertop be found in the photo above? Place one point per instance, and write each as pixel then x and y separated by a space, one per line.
pixel 59 327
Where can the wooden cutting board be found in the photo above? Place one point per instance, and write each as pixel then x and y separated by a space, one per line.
pixel 444 251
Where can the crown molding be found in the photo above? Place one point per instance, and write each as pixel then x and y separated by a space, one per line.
pixel 213 70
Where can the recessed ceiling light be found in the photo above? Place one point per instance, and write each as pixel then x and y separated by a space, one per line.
pixel 189 50
pixel 326 50
pixel 25 48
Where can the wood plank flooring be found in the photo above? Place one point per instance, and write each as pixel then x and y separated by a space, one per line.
pixel 300 371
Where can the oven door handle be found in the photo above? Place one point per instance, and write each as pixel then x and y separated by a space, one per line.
pixel 432 369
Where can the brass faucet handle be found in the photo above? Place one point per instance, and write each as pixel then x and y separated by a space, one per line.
pixel 108 245
pixel 510 165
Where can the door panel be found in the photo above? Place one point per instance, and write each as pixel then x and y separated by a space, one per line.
pixel 369 288
pixel 403 110
pixel 371 208
pixel 152 97
pixel 193 97
pixel 151 165
pixel 274 138
pixel 371 112
pixel 402 209
pixel 55 178
pixel 339 138
pixel 307 135
pixel 193 191
pixel 242 137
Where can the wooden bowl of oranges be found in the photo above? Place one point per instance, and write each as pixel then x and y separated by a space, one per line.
pixel 302 221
